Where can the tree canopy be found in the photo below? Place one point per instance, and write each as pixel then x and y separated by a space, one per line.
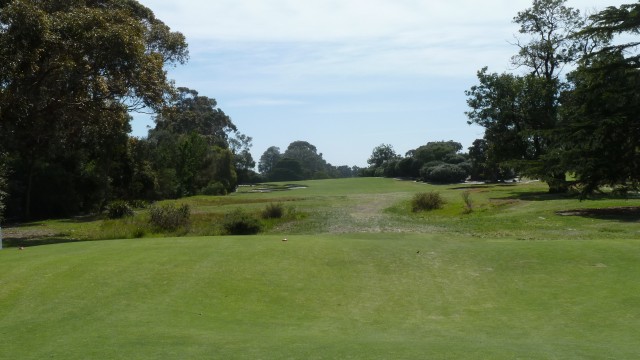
pixel 70 71
pixel 545 125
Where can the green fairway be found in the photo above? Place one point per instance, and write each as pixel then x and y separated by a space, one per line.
pixel 358 277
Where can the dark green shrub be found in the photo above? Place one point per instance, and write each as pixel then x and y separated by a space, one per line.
pixel 239 222
pixel 214 189
pixel 273 211
pixel 138 233
pixel 427 201
pixel 445 174
pixel 119 209
pixel 169 217
pixel 138 204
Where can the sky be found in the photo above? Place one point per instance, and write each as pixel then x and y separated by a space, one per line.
pixel 344 75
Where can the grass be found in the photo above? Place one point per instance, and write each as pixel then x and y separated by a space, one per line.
pixel 360 277
pixel 328 296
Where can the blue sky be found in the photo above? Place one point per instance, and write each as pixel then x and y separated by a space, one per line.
pixel 344 75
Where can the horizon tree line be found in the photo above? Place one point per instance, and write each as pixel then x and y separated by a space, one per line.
pixel 71 73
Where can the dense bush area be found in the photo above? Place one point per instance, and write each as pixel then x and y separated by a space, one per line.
pixel 444 174
pixel 119 209
pixel 238 222
pixel 169 217
pixel 427 201
pixel 273 211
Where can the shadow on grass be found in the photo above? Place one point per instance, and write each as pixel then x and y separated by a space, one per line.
pixel 82 219
pixel 27 242
pixel 622 213
pixel 540 196
pixel 483 186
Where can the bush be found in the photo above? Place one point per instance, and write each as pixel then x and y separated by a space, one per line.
pixel 468 203
pixel 239 222
pixel 445 174
pixel 119 209
pixel 273 211
pixel 169 217
pixel 138 204
pixel 214 189
pixel 427 201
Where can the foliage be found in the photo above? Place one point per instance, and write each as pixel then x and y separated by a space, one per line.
pixel 381 154
pixel 468 202
pixel 191 138
pixel 238 222
pixel 436 151
pixel 311 162
pixel 268 160
pixel 119 209
pixel 444 174
pixel 301 161
pixel 169 217
pixel 551 27
pixel 214 189
pixel 287 169
pixel 240 145
pixel 191 113
pixel 385 163
pixel 273 211
pixel 601 132
pixel 427 201
pixel 69 74
pixel 520 112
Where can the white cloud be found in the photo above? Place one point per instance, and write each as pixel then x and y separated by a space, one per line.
pixel 380 62
pixel 324 20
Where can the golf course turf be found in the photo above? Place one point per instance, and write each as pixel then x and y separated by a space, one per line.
pixel 358 277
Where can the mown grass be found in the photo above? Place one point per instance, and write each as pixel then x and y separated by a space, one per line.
pixel 360 276
pixel 369 296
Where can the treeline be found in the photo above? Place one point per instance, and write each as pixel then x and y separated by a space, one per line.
pixel 70 74
pixel 435 162
pixel 300 161
pixel 544 124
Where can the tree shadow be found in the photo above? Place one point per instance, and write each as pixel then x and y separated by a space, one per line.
pixel 540 196
pixel 82 219
pixel 482 186
pixel 546 196
pixel 620 213
pixel 28 242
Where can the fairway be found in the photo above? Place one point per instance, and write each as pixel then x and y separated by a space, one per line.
pixel 439 285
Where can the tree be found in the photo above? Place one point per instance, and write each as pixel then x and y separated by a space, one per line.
pixel 69 71
pixel 307 155
pixel 344 171
pixel 520 113
pixel 444 174
pixel 551 27
pixel 192 147
pixel 600 132
pixel 190 113
pixel 268 160
pixel 436 151
pixel 3 184
pixel 287 169
pixel 381 154
pixel 240 145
